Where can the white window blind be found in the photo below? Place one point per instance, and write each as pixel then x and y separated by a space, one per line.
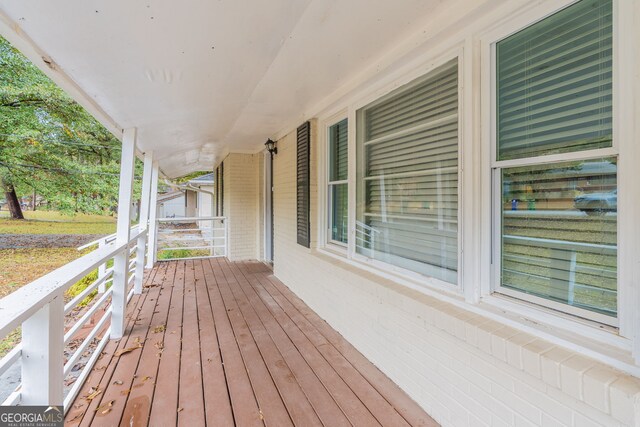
pixel 407 176
pixel 554 83
pixel 558 234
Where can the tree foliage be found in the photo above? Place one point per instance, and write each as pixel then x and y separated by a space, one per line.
pixel 51 145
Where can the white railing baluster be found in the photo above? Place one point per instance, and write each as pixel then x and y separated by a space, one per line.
pixel 102 269
pixel 42 355
pixel 119 295
pixel 139 273
pixel 152 236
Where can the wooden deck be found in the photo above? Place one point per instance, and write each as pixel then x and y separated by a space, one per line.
pixel 211 342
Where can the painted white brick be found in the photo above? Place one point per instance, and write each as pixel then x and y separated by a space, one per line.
pixel 625 399
pixel 596 386
pixel 571 373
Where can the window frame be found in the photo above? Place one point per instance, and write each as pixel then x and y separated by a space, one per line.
pixel 331 184
pixel 456 52
pixel 584 322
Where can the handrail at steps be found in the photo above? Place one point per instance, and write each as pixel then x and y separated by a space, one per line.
pixel 191 218
pixel 20 305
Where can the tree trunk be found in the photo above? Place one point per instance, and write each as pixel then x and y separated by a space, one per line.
pixel 35 195
pixel 12 200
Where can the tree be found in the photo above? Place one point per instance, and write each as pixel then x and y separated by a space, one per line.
pixel 49 144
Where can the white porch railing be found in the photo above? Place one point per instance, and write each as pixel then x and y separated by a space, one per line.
pixel 191 238
pixel 39 309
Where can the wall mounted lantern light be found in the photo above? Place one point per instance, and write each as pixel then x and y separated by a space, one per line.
pixel 271 147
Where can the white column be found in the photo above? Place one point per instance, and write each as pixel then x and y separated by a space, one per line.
pixel 42 351
pixel 121 260
pixel 153 211
pixel 144 221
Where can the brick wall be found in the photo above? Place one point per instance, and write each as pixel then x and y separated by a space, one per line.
pixel 241 204
pixel 462 368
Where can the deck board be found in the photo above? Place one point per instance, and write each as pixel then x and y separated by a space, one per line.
pixel 226 343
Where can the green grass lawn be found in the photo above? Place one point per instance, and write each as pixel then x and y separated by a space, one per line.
pixel 51 222
pixel 19 267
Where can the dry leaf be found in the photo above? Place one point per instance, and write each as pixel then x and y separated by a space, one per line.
pixel 159 329
pixel 106 408
pixel 180 409
pixel 118 382
pixel 159 345
pixel 146 377
pixel 127 350
pixel 125 392
pixel 261 415
pixel 93 394
pixel 75 417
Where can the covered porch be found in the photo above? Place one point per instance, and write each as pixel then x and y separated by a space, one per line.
pixel 214 342
pixel 437 180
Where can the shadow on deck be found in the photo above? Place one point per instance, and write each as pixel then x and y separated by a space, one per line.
pixel 219 343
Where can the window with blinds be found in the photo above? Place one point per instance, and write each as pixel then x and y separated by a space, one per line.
pixel 407 176
pixel 554 83
pixel 558 234
pixel 338 186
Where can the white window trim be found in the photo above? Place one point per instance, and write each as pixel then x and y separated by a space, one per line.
pixel 456 52
pixel 474 292
pixel 324 205
pixel 404 273
pixel 628 297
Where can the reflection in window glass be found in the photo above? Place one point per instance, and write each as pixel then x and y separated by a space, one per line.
pixel 407 176
pixel 339 213
pixel 559 235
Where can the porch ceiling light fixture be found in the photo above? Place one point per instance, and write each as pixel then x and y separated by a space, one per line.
pixel 271 147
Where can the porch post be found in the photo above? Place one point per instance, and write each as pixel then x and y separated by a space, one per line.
pixel 144 221
pixel 121 260
pixel 153 211
pixel 42 351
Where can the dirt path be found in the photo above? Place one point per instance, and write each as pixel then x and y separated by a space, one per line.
pixel 24 241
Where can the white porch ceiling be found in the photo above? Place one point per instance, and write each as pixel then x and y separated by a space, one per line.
pixel 200 78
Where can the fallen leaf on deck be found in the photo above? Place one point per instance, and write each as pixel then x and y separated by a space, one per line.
pixel 159 329
pixel 93 394
pixel 118 382
pixel 125 392
pixel 180 409
pixel 146 377
pixel 127 350
pixel 106 408
pixel 159 345
pixel 75 417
